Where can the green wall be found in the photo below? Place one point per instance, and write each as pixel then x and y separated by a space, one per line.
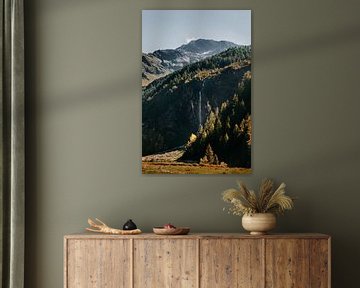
pixel 84 136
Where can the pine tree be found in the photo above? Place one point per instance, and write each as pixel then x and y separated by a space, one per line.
pixel 210 157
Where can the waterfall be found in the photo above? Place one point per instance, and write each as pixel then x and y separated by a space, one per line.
pixel 200 100
pixel 200 108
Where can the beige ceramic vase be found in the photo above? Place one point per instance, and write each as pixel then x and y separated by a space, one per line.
pixel 259 223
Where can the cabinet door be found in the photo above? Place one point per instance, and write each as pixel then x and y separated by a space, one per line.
pixel 98 263
pixel 287 263
pixel 231 263
pixel 320 263
pixel 165 263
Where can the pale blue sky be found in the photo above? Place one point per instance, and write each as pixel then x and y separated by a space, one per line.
pixel 164 29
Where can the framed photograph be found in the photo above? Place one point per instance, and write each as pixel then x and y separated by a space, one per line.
pixel 196 92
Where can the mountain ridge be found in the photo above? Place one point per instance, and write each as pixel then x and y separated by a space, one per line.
pixel 162 62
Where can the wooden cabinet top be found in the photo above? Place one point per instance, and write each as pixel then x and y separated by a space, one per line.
pixel 199 236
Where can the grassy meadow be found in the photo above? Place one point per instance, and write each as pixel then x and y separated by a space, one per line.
pixel 189 168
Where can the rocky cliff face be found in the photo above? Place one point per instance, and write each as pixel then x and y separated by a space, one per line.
pixel 152 68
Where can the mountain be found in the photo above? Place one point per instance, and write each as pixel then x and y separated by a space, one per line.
pixel 210 99
pixel 162 62
pixel 206 47
pixel 152 68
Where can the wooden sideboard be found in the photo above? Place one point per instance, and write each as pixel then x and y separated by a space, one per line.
pixel 197 260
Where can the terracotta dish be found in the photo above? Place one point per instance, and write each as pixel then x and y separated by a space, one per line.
pixel 171 231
